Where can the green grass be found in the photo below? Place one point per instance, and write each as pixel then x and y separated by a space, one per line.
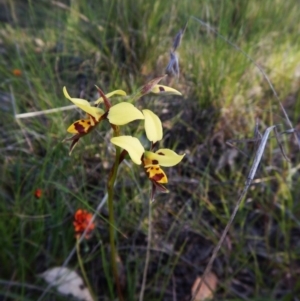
pixel 122 45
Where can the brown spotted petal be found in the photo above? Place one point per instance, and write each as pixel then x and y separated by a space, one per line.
pixel 80 128
pixel 156 174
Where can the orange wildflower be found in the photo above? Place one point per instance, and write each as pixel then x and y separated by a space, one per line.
pixel 17 72
pixel 82 221
pixel 38 193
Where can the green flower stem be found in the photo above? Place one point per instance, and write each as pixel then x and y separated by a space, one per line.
pixel 141 297
pixel 110 192
pixel 86 280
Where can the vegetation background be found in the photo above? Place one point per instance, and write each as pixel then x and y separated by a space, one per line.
pixel 122 45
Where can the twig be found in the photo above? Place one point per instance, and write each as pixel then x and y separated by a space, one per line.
pixel 50 111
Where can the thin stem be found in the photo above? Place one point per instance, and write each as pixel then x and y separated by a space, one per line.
pixel 110 192
pixel 86 280
pixel 141 298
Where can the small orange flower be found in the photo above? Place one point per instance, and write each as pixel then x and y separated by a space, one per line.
pixel 82 220
pixel 38 193
pixel 17 72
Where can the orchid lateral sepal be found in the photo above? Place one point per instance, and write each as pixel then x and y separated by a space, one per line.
pixel 132 145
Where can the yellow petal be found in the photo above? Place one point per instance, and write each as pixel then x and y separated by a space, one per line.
pixel 153 126
pixel 160 89
pixel 123 113
pixel 164 157
pixel 84 105
pixel 132 145
pixel 116 92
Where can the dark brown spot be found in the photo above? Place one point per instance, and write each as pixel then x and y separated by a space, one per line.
pixel 161 89
pixel 158 177
pixel 88 122
pixel 154 162
pixel 157 168
pixel 79 128
pixel 161 154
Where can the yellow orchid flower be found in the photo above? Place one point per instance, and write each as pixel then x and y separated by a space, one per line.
pixel 119 114
pixel 151 160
